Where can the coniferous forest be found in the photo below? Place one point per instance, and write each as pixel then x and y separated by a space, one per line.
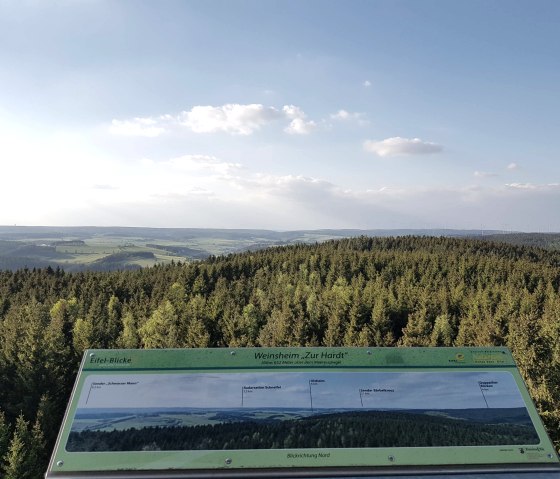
pixel 407 291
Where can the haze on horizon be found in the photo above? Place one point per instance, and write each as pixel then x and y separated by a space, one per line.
pixel 281 115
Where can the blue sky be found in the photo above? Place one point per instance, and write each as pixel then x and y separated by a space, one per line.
pixel 414 390
pixel 281 114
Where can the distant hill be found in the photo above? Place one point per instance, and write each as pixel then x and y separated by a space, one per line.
pixel 181 234
pixel 537 240
pixel 93 248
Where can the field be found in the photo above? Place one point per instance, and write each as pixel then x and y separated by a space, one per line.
pixel 115 421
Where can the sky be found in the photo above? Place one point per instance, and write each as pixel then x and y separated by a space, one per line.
pixel 416 390
pixel 281 114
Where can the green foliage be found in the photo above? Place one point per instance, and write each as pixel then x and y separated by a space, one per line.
pixel 25 456
pixel 160 331
pixel 15 460
pixel 442 334
pixel 4 439
pixel 128 338
pixel 362 291
pixel 82 335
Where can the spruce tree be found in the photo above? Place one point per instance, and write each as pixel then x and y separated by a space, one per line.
pixel 4 439
pixel 82 336
pixel 128 339
pixel 160 331
pixel 18 460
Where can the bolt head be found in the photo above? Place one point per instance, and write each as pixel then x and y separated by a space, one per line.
pixel 60 463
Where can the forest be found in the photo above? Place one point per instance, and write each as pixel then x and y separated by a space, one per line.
pixel 336 430
pixel 405 291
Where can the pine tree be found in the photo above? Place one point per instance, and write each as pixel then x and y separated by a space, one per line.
pixel 442 334
pixel 23 351
pixel 113 328
pixel 37 450
pixel 128 338
pixel 380 327
pixel 60 361
pixel 49 417
pixel 82 336
pixel 18 460
pixel 277 330
pixel 160 331
pixel 194 330
pixel 4 439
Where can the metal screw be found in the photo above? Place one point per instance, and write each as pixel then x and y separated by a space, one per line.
pixel 391 458
pixel 91 355
pixel 228 461
pixel 60 463
pixel 369 352
pixel 232 353
pixel 550 456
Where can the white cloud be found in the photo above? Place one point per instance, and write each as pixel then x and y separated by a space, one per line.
pixel 293 112
pixel 397 146
pixel 366 83
pixel 341 115
pixel 484 174
pixel 148 127
pixel 298 125
pixel 231 118
pixel 513 166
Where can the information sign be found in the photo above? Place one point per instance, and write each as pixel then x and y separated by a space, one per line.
pixel 287 409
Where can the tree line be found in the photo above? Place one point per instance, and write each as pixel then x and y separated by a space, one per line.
pixel 407 291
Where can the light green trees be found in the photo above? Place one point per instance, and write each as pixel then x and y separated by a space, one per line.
pixel 129 337
pixel 24 458
pixel 82 335
pixel 160 331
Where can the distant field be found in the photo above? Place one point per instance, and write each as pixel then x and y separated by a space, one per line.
pixel 107 249
pixel 184 419
pixel 96 253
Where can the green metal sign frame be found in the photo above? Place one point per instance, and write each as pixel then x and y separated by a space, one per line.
pixel 298 409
